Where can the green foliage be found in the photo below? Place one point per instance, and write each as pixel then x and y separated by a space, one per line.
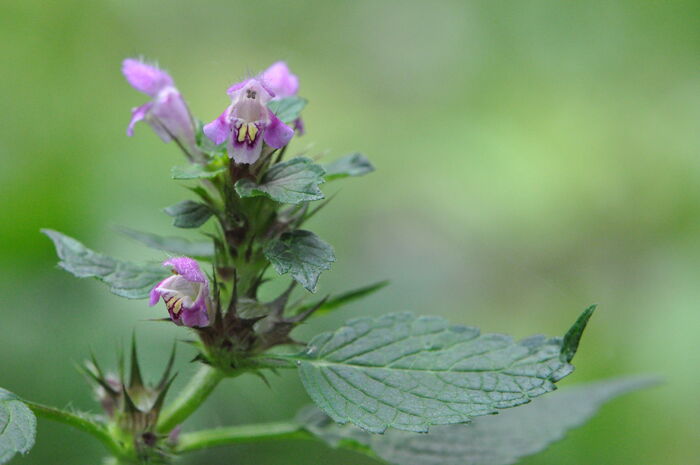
pixel 573 336
pixel 287 109
pixel 171 244
pixel 17 426
pixel 355 164
pixel 342 299
pixel 302 254
pixel 126 279
pixel 293 181
pixel 196 171
pixel 189 214
pixel 493 440
pixel 409 372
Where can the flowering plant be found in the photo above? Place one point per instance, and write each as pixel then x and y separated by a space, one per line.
pixel 375 382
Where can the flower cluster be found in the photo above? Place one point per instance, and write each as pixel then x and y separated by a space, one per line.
pixel 243 126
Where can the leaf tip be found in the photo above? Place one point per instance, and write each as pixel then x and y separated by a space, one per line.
pixel 573 336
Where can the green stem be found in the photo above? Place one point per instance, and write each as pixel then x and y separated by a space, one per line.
pixel 78 422
pixel 239 434
pixel 195 393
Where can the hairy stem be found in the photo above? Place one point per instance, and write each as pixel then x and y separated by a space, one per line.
pixel 239 434
pixel 195 393
pixel 79 422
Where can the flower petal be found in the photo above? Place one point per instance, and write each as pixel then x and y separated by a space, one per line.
pixel 255 83
pixel 155 294
pixel 219 129
pixel 245 153
pixel 172 114
pixel 277 134
pixel 231 91
pixel 187 268
pixel 137 114
pixel 145 78
pixel 280 79
pixel 195 317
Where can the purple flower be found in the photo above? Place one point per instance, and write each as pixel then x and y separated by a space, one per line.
pixel 167 113
pixel 283 83
pixel 185 293
pixel 247 122
pixel 280 80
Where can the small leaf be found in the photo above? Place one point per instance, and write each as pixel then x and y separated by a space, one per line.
pixel 301 253
pixel 293 181
pixel 196 171
pixel 492 440
pixel 354 164
pixel 287 109
pixel 343 299
pixel 189 214
pixel 17 426
pixel 409 372
pixel 573 336
pixel 126 279
pixel 175 245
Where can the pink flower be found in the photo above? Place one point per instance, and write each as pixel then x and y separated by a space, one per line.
pixel 167 112
pixel 185 293
pixel 247 122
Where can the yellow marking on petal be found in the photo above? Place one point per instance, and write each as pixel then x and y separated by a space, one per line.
pixel 252 131
pixel 242 132
pixel 177 307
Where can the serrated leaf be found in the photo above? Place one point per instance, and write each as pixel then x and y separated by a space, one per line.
pixel 287 109
pixel 302 254
pixel 195 171
pixel 175 245
pixel 293 181
pixel 354 164
pixel 125 279
pixel 342 299
pixel 17 426
pixel 493 440
pixel 189 214
pixel 408 372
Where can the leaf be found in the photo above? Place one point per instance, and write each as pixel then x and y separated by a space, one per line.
pixel 293 181
pixel 17 426
pixel 196 171
pixel 301 253
pixel 189 214
pixel 573 336
pixel 343 299
pixel 354 164
pixel 126 279
pixel 409 372
pixel 175 245
pixel 287 109
pixel 493 440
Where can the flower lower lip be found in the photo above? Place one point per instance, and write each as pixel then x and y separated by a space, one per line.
pixel 174 304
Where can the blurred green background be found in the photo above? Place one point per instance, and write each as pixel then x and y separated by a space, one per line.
pixel 532 158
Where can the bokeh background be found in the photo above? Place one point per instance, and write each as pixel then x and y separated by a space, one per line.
pixel 532 158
